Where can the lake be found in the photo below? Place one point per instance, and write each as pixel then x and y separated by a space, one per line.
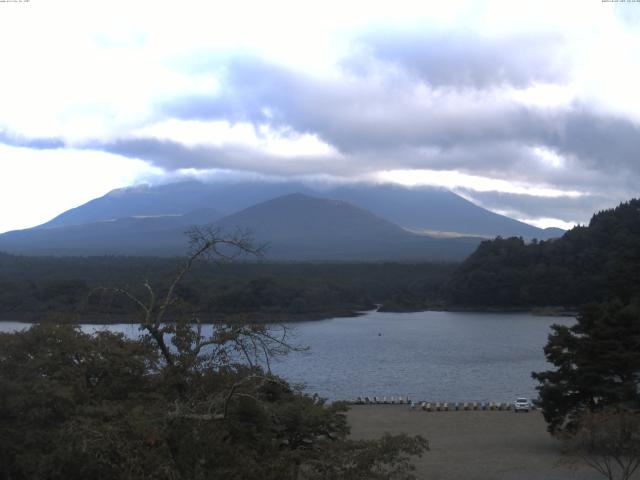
pixel 435 356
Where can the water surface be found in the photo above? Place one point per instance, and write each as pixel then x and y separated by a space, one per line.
pixel 436 356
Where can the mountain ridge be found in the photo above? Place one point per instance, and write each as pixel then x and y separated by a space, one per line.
pixel 296 226
pixel 416 208
pixel 302 226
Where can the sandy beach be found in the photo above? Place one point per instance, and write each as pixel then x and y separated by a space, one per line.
pixel 474 445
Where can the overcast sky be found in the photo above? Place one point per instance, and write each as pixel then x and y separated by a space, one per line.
pixel 531 109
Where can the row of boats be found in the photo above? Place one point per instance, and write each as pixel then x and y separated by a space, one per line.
pixel 436 406
pixel 381 400
pixel 456 406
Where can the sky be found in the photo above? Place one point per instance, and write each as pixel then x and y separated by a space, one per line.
pixel 529 109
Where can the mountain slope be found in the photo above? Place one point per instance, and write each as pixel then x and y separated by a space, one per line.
pixel 160 235
pixel 300 216
pixel 298 226
pixel 432 209
pixel 172 199
pixel 418 208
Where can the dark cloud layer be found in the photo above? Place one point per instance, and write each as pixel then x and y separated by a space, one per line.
pixel 360 117
pixel 413 101
pixel 600 141
pixel 171 155
pixel 42 143
pixel 462 60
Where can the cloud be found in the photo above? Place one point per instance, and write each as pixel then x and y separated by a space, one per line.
pixel 565 208
pixel 391 120
pixel 173 156
pixel 43 143
pixel 399 101
pixel 457 59
pixel 595 139
pixel 478 95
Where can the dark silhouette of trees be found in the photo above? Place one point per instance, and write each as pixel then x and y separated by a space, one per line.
pixel 597 364
pixel 586 264
pixel 591 399
pixel 176 403
pixel 40 288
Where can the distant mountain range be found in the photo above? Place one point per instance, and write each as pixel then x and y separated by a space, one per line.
pixel 362 222
pixel 140 235
pixel 416 208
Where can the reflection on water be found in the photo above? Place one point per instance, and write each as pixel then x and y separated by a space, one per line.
pixel 438 356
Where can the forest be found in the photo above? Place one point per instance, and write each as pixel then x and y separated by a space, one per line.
pixel 74 288
pixel 587 264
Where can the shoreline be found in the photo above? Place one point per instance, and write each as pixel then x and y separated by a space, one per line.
pixel 131 319
pixel 264 317
pixel 548 310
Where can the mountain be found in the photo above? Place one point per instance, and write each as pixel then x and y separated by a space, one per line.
pixel 422 209
pixel 552 232
pixel 435 210
pixel 173 199
pixel 587 264
pixel 298 226
pixel 151 235
pixel 148 220
pixel 295 227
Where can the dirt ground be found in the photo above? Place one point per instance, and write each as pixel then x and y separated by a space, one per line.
pixel 474 445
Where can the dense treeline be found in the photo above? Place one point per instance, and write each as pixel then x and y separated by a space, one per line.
pixel 590 398
pixel 174 403
pixel 48 287
pixel 588 263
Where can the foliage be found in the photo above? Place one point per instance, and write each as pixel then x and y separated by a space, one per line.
pixel 609 442
pixel 597 363
pixel 175 404
pixel 38 288
pixel 586 264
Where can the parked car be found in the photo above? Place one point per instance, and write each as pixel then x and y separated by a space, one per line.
pixel 521 405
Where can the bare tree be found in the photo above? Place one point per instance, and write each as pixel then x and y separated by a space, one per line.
pixel 254 343
pixel 177 403
pixel 608 441
pixel 183 346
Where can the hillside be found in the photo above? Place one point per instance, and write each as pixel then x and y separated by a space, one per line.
pixel 417 208
pixel 294 227
pixel 298 226
pixel 433 209
pixel 588 263
pixel 162 235
pixel 172 199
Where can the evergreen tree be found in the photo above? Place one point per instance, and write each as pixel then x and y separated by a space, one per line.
pixel 597 364
pixel 588 263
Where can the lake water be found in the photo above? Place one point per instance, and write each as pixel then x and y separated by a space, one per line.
pixel 435 356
